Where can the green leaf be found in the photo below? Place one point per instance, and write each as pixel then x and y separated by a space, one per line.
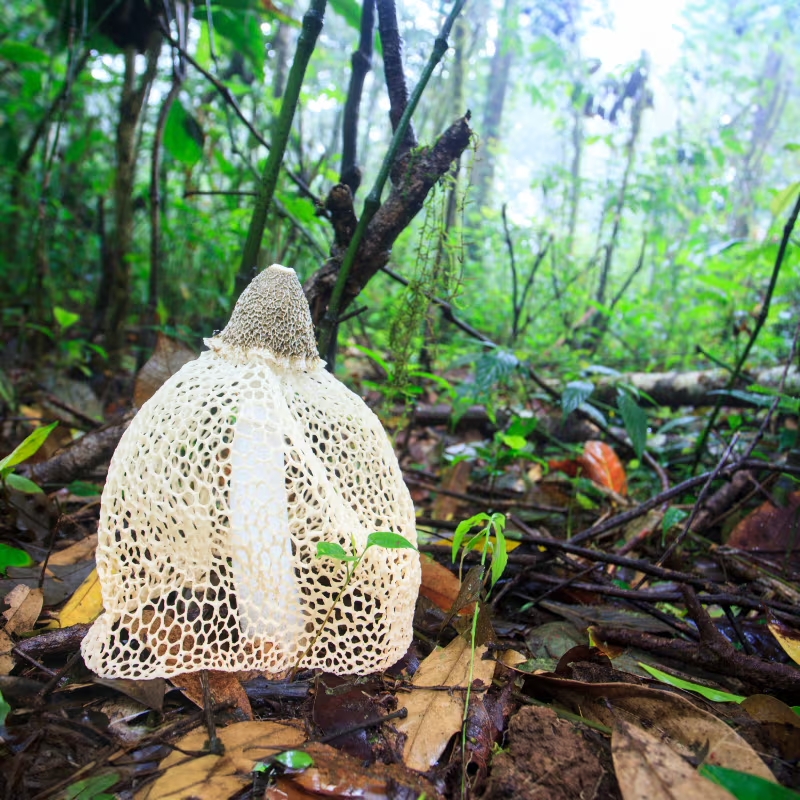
pixel 333 550
pixel 65 318
pixel 243 30
pixel 84 489
pixel 13 557
pixel 392 541
pixel 746 787
pixel 493 368
pixel 784 199
pixel 5 710
pixel 514 442
pixel 350 10
pixel 674 516
pixel 464 528
pixel 295 759
pixel 22 53
pixel 576 393
pixel 635 419
pixel 21 484
pixel 26 448
pixel 499 557
pixel 92 788
pixel 715 695
pixel 183 136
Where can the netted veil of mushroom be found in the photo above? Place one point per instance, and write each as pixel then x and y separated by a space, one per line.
pixel 217 496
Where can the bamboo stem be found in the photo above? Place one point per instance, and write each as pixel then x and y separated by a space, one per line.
pixel 312 25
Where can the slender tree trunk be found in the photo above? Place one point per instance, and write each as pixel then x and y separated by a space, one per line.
pixel 496 92
pixel 116 269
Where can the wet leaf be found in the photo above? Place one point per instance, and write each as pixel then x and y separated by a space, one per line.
pixel 149 693
pixel 773 529
pixel 602 465
pixel 13 557
pixel 212 777
pixel 747 787
pixel 85 604
pixel 435 715
pixel 392 541
pixel 93 788
pixel 25 605
pixel 788 638
pixel 648 768
pixel 294 759
pixel 26 448
pixel 225 687
pixel 168 357
pixel 688 729
pixel 715 695
pixel 599 463
pixel 439 584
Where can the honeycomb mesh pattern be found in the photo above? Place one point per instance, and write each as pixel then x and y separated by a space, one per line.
pixel 216 498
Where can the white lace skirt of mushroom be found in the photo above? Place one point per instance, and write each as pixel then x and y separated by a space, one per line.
pixel 217 496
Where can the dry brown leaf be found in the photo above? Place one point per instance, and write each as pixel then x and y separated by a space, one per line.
pixel 766 708
pixel 336 774
pixel 225 687
pixel 168 357
pixel 688 729
pixel 7 662
pixel 25 606
pixel 209 777
pixel 770 528
pixel 435 715
pixel 648 769
pixel 85 605
pixel 440 585
pixel 455 479
pixel 75 553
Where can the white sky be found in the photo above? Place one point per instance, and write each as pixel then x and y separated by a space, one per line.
pixel 638 25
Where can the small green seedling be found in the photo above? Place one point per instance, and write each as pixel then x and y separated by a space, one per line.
pixel 287 762
pixel 490 538
pixel 21 453
pixel 387 539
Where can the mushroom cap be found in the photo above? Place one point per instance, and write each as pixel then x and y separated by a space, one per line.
pixel 271 318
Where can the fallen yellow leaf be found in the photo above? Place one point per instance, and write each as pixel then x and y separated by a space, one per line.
pixel 85 605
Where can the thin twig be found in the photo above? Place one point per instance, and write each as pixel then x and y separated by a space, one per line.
pixel 760 320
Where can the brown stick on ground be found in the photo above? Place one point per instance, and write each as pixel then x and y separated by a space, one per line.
pixel 81 456
pixel 713 652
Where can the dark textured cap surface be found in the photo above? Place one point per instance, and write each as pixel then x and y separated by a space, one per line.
pixel 272 313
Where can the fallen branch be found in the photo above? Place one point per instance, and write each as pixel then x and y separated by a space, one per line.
pixel 82 456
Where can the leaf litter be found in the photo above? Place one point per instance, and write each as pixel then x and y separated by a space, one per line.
pixel 544 715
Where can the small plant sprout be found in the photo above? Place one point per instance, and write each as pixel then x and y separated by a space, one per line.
pixel 28 447
pixel 490 539
pixel 219 496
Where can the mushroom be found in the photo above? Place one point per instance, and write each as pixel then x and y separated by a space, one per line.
pixel 216 499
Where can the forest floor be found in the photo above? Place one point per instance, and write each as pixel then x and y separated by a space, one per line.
pixel 637 642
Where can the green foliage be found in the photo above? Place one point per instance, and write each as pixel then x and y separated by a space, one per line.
pixel 183 136
pixel 5 710
pixel 490 539
pixel 715 695
pixel 13 557
pixel 92 788
pixel 746 787
pixel 22 452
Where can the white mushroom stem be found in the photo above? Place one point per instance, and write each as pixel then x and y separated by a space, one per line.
pixel 263 572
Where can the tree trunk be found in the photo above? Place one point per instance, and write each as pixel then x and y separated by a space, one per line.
pixel 116 269
pixel 483 173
